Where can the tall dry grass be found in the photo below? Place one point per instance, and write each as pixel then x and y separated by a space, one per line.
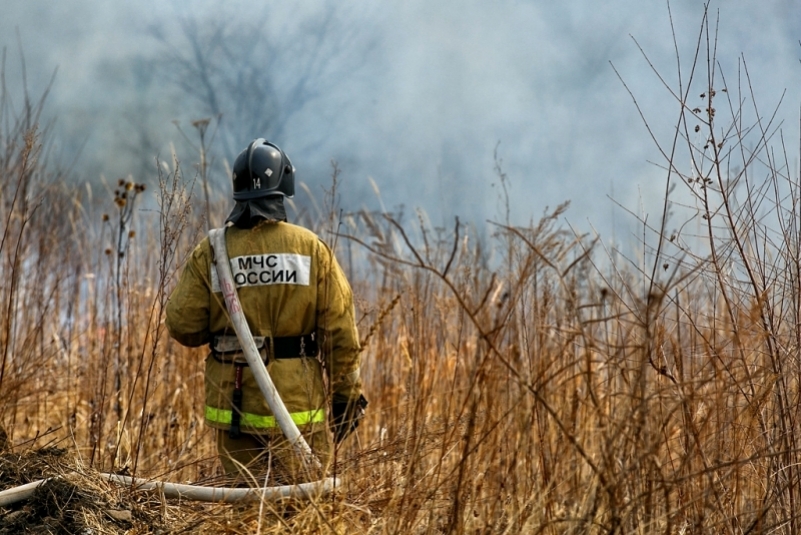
pixel 529 383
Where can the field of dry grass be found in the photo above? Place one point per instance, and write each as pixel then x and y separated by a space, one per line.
pixel 529 382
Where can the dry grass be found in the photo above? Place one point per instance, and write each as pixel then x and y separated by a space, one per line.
pixel 531 383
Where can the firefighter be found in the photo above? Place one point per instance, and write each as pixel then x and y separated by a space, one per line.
pixel 299 307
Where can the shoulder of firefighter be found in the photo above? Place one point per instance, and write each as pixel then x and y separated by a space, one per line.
pixel 299 307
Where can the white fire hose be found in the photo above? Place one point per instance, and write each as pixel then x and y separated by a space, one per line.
pixel 192 492
pixel 282 417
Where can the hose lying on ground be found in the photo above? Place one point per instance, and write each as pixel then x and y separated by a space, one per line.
pixel 17 494
pixel 310 490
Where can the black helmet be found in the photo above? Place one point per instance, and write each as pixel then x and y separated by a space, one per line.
pixel 262 170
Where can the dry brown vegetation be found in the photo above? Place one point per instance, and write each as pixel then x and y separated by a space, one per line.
pixel 530 383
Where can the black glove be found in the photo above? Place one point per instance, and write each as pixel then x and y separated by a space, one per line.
pixel 346 416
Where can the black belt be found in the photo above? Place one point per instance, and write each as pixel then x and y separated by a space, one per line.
pixel 284 347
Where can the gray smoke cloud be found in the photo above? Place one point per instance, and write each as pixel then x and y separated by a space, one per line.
pixel 416 96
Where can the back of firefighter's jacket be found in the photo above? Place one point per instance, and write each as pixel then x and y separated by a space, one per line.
pixel 289 284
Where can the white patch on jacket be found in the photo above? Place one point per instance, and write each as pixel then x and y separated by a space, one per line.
pixel 267 269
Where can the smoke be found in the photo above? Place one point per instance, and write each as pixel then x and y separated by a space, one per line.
pixel 418 96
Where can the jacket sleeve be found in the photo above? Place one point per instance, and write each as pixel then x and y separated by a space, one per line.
pixel 336 324
pixel 188 305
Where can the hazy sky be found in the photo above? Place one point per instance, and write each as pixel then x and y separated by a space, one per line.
pixel 418 94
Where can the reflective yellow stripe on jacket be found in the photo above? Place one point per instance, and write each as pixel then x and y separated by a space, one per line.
pixel 223 416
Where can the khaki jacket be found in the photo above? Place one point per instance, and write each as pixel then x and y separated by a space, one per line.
pixel 289 284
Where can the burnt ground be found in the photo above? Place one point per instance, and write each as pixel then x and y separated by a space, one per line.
pixel 73 501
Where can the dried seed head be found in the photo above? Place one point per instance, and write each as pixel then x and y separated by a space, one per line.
pixel 131 234
pixel 107 251
pixel 129 186
pixel 697 128
pixel 105 217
